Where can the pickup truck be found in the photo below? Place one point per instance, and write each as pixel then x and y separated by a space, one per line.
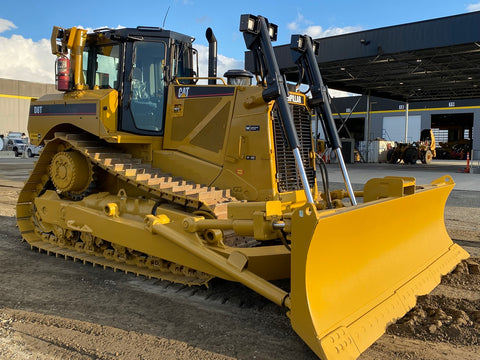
pixel 19 146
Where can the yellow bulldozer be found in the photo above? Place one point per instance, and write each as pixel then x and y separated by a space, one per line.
pixel 149 169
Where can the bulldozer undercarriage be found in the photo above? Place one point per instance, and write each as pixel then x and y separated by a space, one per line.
pixel 69 165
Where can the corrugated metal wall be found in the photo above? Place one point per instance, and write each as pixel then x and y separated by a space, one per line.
pixel 15 98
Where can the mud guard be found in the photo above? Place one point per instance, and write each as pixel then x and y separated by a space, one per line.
pixel 356 270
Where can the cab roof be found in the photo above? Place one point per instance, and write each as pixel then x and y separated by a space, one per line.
pixel 140 32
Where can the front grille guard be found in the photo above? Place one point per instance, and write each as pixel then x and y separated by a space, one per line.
pixel 288 178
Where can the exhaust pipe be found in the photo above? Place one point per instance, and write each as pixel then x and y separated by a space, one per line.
pixel 212 56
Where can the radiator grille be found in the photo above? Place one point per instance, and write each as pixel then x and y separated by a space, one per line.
pixel 287 177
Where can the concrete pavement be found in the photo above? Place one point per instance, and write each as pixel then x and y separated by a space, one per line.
pixel 360 173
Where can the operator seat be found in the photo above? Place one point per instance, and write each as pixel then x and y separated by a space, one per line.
pixel 139 88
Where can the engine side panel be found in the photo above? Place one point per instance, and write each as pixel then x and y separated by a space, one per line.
pixel 94 111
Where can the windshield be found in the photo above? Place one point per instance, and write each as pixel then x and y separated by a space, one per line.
pixel 147 85
pixel 100 66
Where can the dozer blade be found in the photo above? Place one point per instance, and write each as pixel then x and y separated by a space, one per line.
pixel 358 269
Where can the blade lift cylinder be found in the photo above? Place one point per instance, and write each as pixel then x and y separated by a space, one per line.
pixel 303 55
pixel 258 34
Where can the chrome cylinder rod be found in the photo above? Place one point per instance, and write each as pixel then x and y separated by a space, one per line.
pixel 346 178
pixel 303 175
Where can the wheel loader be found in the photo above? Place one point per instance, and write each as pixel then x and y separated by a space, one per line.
pixel 151 170
pixel 410 153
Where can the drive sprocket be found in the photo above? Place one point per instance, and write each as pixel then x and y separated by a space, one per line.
pixel 71 172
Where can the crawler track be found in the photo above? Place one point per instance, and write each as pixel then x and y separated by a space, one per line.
pixel 130 171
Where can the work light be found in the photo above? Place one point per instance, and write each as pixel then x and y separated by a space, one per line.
pixel 272 31
pixel 251 24
pixel 298 43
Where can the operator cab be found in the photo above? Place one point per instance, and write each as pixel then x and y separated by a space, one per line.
pixel 139 63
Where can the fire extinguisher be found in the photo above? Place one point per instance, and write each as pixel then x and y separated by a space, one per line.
pixel 62 78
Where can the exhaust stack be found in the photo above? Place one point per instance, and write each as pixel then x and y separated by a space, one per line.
pixel 212 56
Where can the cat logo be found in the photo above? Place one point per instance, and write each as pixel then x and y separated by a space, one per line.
pixel 183 92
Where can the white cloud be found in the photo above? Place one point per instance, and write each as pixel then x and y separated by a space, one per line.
pixel 473 7
pixel 305 26
pixel 6 25
pixel 317 31
pixel 25 59
pixel 203 20
pixel 223 63
pixel 294 25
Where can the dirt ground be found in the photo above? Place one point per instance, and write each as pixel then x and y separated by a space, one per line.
pixel 56 309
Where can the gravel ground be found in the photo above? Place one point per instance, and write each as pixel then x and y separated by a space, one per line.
pixel 56 309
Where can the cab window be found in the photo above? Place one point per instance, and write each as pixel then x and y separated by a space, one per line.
pixel 147 85
pixel 101 65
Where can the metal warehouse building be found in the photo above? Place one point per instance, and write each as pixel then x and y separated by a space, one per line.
pixel 429 69
pixel 15 96
pixel 452 121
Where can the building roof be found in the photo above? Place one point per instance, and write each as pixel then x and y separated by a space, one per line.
pixel 435 59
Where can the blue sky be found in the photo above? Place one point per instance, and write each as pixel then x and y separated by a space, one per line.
pixel 25 25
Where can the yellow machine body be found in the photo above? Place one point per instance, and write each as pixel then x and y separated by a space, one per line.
pixel 210 196
pixel 220 140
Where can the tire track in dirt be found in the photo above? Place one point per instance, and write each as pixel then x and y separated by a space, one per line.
pixel 50 337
